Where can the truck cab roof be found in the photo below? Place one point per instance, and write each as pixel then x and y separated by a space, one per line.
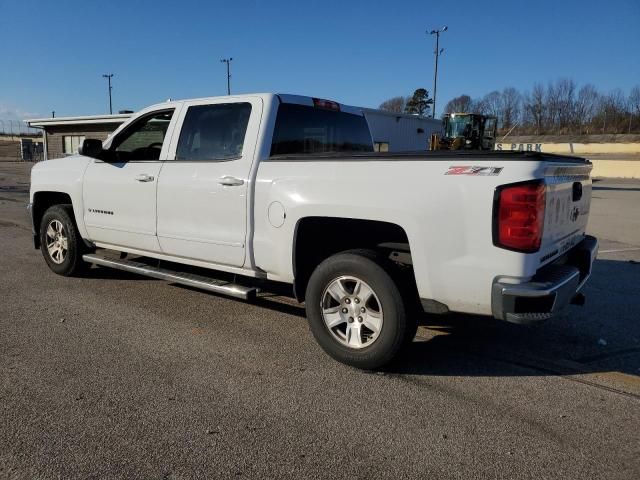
pixel 280 97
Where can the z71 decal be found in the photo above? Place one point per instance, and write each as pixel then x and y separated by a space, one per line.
pixel 478 171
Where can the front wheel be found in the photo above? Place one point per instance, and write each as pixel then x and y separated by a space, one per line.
pixel 355 310
pixel 60 242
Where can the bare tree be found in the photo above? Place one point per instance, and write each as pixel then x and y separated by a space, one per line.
pixel 559 108
pixel 634 99
pixel 553 108
pixel 395 104
pixel 585 108
pixel 463 103
pixel 634 104
pixel 612 112
pixel 478 106
pixel 565 91
pixel 534 106
pixel 510 107
pixel 492 103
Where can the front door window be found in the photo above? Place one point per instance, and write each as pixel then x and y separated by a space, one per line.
pixel 142 140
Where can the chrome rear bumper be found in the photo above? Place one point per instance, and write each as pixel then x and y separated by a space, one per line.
pixel 549 291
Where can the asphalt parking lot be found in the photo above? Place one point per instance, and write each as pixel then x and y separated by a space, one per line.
pixel 119 376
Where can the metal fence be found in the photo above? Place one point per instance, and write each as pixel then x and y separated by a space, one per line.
pixel 31 151
pixel 20 150
pixel 16 127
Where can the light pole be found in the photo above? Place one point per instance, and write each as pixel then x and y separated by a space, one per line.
pixel 108 77
pixel 228 62
pixel 437 53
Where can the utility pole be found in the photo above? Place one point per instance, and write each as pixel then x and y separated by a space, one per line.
pixel 228 62
pixel 108 77
pixel 437 53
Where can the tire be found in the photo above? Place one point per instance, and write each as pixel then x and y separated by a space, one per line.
pixel 57 231
pixel 344 333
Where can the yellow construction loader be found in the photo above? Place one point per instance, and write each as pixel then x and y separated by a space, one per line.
pixel 465 131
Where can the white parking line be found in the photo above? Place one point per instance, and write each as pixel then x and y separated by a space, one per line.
pixel 620 250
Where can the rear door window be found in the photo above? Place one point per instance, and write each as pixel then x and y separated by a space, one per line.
pixel 213 132
pixel 301 129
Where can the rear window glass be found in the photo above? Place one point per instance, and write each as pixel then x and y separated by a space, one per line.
pixel 306 130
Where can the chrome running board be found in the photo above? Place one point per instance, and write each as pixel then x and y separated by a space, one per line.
pixel 183 278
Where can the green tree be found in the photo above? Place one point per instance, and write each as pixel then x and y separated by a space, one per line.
pixel 419 103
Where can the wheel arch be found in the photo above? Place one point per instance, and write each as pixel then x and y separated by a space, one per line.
pixel 42 201
pixel 316 238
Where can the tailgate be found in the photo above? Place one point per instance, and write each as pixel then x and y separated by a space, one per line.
pixel 568 198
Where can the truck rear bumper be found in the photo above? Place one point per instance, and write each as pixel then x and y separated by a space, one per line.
pixel 549 291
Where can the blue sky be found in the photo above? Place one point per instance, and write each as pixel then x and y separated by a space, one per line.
pixel 53 53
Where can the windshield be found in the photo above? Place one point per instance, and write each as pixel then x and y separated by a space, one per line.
pixel 306 130
pixel 455 126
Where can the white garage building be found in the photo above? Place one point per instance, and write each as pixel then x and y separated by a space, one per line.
pixel 400 132
pixel 391 132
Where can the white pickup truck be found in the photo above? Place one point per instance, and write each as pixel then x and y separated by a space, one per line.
pixel 244 193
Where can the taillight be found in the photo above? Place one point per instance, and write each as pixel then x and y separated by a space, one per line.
pixel 519 216
pixel 326 104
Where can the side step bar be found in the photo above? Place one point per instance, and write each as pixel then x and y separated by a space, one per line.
pixel 190 279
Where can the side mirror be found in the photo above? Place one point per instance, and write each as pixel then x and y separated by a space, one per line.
pixel 90 147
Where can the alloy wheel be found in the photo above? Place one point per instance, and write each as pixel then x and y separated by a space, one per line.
pixel 352 312
pixel 57 243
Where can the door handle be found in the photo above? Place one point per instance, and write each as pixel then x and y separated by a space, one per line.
pixel 230 181
pixel 144 178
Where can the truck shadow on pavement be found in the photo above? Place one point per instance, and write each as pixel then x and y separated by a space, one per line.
pixel 602 336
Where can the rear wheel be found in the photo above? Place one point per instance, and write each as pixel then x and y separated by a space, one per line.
pixel 355 310
pixel 60 242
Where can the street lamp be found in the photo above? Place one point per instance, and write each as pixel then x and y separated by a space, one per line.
pixel 437 53
pixel 108 77
pixel 228 62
